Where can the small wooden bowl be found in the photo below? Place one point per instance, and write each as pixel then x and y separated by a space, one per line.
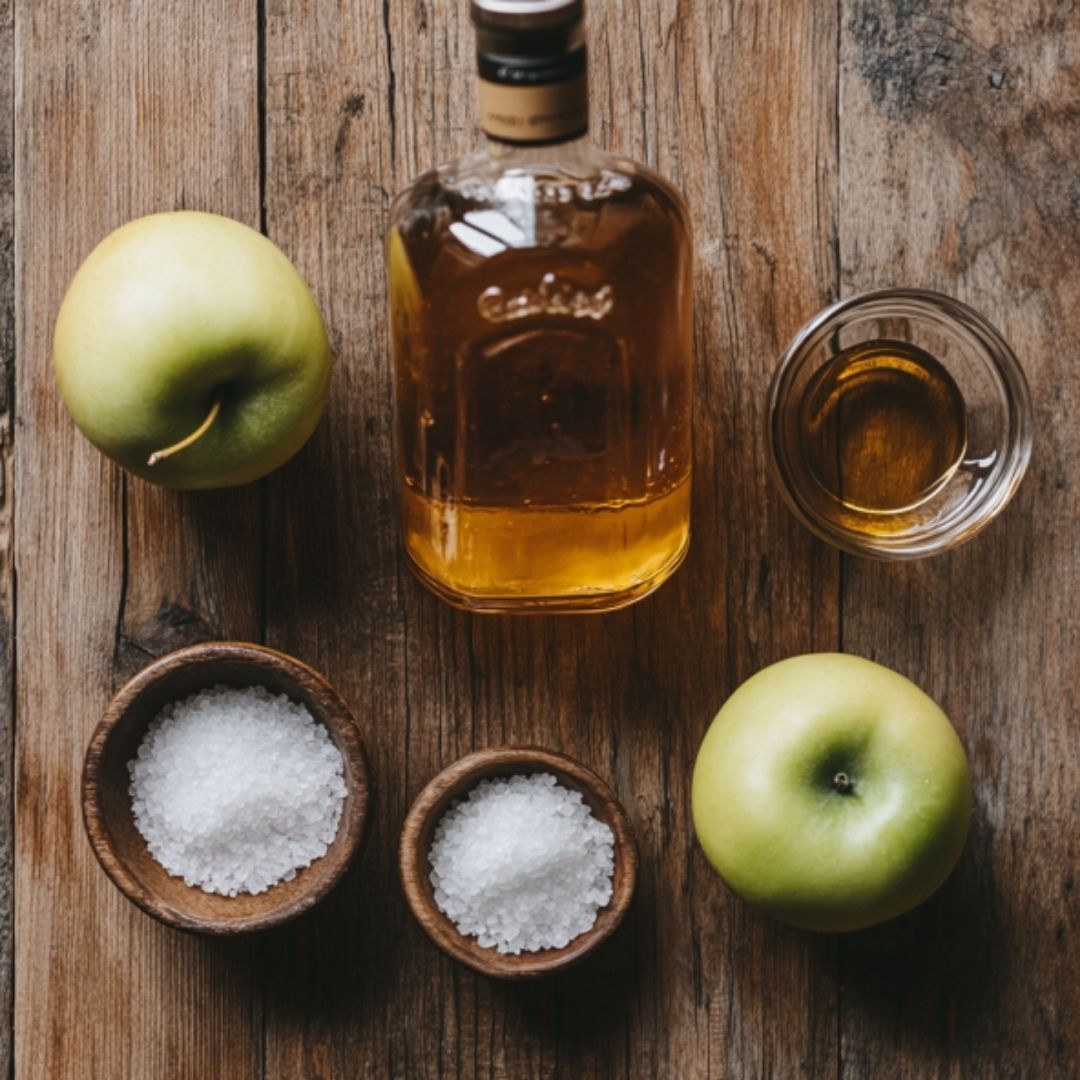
pixel 458 780
pixel 107 811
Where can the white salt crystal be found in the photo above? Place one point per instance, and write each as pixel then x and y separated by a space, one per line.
pixel 235 790
pixel 522 864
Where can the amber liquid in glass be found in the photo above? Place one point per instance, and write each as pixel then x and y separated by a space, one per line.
pixel 883 427
pixel 543 394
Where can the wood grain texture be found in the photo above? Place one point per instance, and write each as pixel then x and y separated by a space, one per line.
pixel 959 150
pixel 122 109
pixel 7 502
pixel 823 149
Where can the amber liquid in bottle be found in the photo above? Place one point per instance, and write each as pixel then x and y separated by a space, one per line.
pixel 883 428
pixel 544 405
pixel 541 306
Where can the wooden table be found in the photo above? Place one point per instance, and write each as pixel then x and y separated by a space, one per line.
pixel 824 148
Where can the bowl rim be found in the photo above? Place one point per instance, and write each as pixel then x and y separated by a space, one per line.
pixel 352 830
pixel 454 782
pixel 999 359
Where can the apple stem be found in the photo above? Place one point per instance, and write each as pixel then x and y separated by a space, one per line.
pixel 843 783
pixel 183 444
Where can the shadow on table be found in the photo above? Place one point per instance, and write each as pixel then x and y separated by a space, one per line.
pixel 578 1008
pixel 918 976
pixel 358 955
pixel 329 963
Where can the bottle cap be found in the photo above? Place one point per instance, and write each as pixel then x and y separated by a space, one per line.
pixel 535 12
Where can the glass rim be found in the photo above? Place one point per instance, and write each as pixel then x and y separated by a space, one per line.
pixel 1014 395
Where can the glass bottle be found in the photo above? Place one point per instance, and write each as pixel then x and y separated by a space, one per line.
pixel 541 300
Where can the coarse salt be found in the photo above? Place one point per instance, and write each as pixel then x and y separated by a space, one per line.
pixel 235 790
pixel 522 864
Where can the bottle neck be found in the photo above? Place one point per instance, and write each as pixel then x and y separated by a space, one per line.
pixel 534 100
pixel 561 152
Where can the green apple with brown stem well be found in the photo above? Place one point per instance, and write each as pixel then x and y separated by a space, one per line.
pixel 189 350
pixel 831 792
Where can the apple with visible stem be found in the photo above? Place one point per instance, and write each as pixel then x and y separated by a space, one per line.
pixel 189 350
pixel 831 792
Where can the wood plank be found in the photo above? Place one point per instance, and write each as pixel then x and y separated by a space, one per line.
pixel 358 100
pixel 122 110
pixel 334 995
pixel 7 566
pixel 958 171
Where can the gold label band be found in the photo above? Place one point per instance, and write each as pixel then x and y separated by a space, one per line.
pixel 534 114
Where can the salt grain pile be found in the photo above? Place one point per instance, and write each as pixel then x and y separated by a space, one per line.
pixel 235 790
pixel 522 864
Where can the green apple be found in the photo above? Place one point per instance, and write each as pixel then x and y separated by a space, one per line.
pixel 190 351
pixel 831 792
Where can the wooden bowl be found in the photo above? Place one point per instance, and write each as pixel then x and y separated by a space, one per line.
pixel 107 810
pixel 458 780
